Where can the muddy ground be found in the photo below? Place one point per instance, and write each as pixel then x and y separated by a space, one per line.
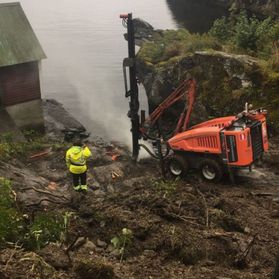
pixel 183 229
pixel 176 229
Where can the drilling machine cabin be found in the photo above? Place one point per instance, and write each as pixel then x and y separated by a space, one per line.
pixel 213 147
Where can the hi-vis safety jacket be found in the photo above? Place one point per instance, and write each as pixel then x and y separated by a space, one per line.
pixel 76 159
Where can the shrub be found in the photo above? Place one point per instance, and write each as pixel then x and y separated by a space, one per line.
pixel 14 227
pixel 46 227
pixel 247 33
pixel 122 241
pixel 220 30
pixel 11 221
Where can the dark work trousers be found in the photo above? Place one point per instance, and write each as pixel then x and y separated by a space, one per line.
pixel 79 179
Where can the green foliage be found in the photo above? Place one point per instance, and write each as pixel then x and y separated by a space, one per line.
pixel 122 241
pixel 168 187
pixel 176 35
pixel 46 227
pixel 247 33
pixel 67 216
pixel 201 42
pixel 6 199
pixel 31 135
pixel 11 149
pixel 174 43
pixel 220 30
pixel 241 33
pixel 14 227
pixel 11 221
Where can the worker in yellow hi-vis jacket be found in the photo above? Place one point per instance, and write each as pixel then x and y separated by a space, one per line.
pixel 76 158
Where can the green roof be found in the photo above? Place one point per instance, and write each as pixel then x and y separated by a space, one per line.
pixel 18 42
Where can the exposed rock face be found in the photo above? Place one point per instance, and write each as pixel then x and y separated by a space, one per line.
pixel 225 83
pixel 57 119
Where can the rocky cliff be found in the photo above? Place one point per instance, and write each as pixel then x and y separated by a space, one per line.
pixel 225 81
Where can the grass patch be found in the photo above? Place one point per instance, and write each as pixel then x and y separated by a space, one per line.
pixel 167 187
pixel 16 227
pixel 11 221
pixel 11 149
pixel 173 43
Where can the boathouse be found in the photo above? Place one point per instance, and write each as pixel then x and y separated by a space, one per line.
pixel 20 59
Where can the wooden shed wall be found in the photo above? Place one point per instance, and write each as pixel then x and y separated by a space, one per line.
pixel 19 83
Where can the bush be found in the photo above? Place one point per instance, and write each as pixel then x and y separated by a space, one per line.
pixel 122 241
pixel 11 221
pixel 15 228
pixel 247 33
pixel 46 227
pixel 220 30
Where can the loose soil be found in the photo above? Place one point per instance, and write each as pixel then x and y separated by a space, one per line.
pixel 183 229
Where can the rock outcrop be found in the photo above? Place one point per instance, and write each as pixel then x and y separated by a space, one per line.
pixel 225 81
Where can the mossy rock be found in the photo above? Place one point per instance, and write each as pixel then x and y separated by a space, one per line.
pixel 96 269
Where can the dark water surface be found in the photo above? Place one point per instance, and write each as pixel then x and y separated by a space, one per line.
pixel 83 40
pixel 196 15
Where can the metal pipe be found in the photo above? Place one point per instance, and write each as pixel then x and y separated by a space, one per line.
pixel 134 100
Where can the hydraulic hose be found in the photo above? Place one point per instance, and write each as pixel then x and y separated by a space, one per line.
pixel 152 154
pixel 148 151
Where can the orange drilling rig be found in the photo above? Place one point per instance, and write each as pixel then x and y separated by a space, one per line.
pixel 213 147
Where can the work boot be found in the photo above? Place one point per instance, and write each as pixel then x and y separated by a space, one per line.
pixel 84 188
pixel 77 188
